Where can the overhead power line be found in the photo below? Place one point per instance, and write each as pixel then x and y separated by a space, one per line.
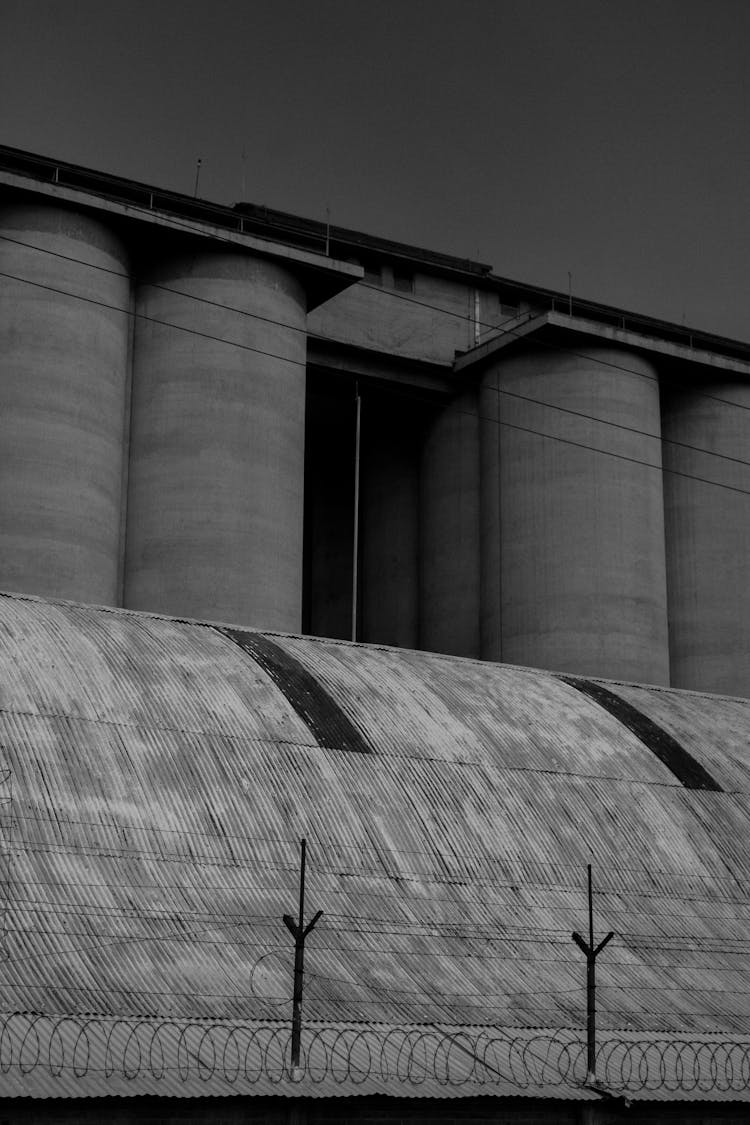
pixel 299 363
pixel 370 848
pixel 495 932
pixel 171 221
pixel 155 285
pixel 502 327
pixel 153 319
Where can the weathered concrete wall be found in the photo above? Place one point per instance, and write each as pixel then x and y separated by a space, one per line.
pixel 708 534
pixel 441 316
pixel 64 333
pixel 582 574
pixel 217 446
pixel 403 324
pixel 449 529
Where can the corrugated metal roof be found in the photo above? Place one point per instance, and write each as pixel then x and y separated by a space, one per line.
pixel 155 778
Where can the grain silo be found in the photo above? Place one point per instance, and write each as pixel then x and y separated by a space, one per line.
pixel 707 492
pixel 217 442
pixel 236 413
pixel 64 341
pixel 575 445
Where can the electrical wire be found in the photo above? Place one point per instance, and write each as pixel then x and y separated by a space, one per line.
pixel 49 986
pixel 154 320
pixel 49 931
pixel 460 900
pixel 154 285
pixel 474 860
pixel 370 874
pixel 673 988
pixel 243 919
pixel 38 954
pixel 383 873
pixel 175 224
pixel 303 364
pixel 501 327
pixel 377 874
pixel 490 932
pixel 170 221
pixel 494 327
pixel 618 425
pixel 160 829
pixel 345 949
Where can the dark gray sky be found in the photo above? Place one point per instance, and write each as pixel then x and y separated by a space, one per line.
pixel 605 137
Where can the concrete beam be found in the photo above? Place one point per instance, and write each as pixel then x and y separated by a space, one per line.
pixel 322 277
pixel 541 325
pixel 330 355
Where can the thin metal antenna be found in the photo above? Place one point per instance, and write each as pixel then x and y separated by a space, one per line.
pixel 299 932
pixel 197 176
pixel 591 953
pixel 328 231
pixel 244 178
pixel 570 293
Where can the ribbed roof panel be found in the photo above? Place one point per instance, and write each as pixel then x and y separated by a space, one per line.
pixel 426 705
pixel 712 728
pixel 155 781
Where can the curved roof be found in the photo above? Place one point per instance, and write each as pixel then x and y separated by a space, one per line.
pixel 156 776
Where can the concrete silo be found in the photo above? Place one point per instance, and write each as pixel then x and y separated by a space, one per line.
pixel 64 338
pixel 573 543
pixel 216 484
pixel 708 532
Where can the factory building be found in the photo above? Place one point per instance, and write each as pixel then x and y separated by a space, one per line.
pixel 228 426
pixel 233 413
pixel 156 776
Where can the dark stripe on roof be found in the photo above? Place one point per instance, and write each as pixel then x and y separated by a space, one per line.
pixel 666 748
pixel 329 725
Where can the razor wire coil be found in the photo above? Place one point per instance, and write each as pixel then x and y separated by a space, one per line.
pixel 244 1055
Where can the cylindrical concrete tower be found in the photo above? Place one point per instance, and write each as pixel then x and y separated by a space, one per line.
pixel 708 534
pixel 216 485
pixel 449 529
pixel 64 333
pixel 582 578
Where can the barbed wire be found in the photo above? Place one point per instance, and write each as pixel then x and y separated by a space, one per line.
pixel 509 864
pixel 234 1053
pixel 482 1057
pixel 504 865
